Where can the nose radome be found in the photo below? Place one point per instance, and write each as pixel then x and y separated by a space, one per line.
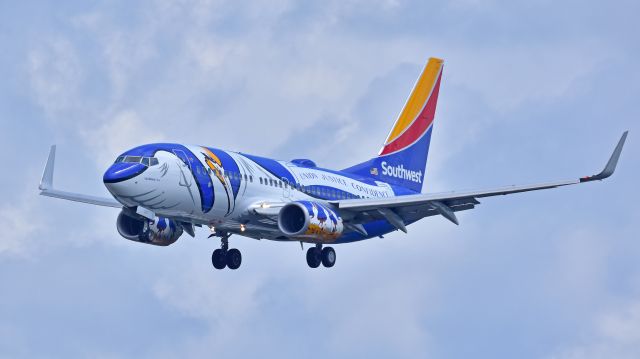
pixel 119 172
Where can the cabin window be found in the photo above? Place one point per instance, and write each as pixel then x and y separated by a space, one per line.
pixel 260 180
pixel 251 178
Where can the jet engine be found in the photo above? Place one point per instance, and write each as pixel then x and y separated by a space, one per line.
pixel 159 231
pixel 305 219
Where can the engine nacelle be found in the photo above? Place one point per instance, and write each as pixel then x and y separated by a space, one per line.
pixel 160 232
pixel 305 219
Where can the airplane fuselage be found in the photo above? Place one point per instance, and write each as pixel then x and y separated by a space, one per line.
pixel 220 189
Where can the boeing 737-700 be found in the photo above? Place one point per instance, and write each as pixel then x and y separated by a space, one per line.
pixel 166 189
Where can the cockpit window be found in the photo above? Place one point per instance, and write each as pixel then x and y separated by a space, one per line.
pixel 132 159
pixel 147 161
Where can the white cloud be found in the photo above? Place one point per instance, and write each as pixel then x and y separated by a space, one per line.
pixel 507 78
pixel 23 223
pixel 617 335
pixel 56 75
pixel 119 133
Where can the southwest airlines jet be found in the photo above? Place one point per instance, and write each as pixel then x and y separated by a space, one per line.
pixel 166 189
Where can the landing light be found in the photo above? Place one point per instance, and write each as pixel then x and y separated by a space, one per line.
pixel 242 228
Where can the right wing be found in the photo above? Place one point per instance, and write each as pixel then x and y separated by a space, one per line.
pixel 46 187
pixel 405 209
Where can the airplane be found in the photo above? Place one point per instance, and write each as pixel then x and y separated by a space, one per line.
pixel 166 189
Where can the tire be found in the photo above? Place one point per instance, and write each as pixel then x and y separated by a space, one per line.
pixel 328 257
pixel 234 258
pixel 313 257
pixel 218 259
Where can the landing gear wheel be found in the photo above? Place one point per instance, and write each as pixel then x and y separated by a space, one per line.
pixel 313 257
pixel 218 259
pixel 328 257
pixel 234 258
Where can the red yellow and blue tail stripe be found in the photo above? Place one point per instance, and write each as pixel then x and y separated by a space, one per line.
pixel 403 157
pixel 419 111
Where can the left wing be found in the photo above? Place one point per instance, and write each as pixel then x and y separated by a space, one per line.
pixel 46 187
pixel 404 209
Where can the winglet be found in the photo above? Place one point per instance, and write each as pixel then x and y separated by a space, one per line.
pixel 47 176
pixel 611 165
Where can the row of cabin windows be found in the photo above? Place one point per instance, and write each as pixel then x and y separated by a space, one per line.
pixel 322 192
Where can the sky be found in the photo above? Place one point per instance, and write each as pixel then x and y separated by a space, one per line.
pixel 532 91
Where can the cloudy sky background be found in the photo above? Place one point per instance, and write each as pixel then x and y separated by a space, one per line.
pixel 532 91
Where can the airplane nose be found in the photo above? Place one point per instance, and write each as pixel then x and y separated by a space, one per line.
pixel 119 172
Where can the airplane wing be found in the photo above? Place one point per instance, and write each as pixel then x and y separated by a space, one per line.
pixel 406 209
pixel 46 187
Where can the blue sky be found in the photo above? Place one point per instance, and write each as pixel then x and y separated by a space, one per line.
pixel 531 91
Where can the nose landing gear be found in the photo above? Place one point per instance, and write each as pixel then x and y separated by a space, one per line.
pixel 317 255
pixel 225 257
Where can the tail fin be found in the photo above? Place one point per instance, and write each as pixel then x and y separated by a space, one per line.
pixel 403 157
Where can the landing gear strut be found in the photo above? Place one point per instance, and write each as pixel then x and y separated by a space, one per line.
pixel 225 257
pixel 317 255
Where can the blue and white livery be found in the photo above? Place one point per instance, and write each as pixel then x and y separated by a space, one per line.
pixel 164 190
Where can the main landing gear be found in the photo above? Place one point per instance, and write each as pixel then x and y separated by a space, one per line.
pixel 317 255
pixel 225 257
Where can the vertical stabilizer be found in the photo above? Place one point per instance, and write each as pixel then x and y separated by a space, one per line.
pixel 403 157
